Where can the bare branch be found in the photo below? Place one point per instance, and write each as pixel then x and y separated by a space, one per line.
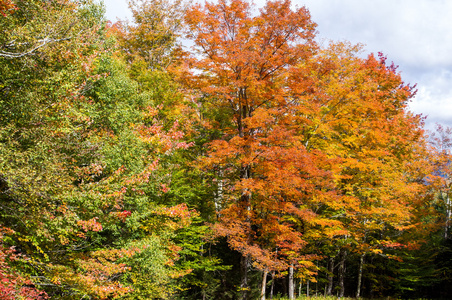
pixel 41 43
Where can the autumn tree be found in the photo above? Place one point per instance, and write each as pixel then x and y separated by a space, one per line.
pixel 154 33
pixel 319 142
pixel 358 115
pixel 267 176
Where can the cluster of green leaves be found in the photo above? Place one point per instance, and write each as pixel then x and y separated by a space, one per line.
pixel 93 154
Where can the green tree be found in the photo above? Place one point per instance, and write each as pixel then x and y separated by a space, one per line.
pixel 80 168
pixel 154 34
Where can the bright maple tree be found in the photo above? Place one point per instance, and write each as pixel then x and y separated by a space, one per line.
pixel 359 116
pixel 242 65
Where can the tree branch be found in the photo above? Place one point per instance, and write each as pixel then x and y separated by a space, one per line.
pixel 42 43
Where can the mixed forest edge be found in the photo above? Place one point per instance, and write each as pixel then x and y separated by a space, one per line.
pixel 211 151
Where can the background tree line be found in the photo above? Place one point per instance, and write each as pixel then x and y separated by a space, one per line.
pixel 254 163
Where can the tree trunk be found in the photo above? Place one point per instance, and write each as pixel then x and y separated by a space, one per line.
pixel 342 273
pixel 317 281
pixel 307 288
pixel 219 199
pixel 329 289
pixel 264 284
pixel 360 275
pixel 291 283
pixel 299 288
pixel 448 217
pixel 273 285
pixel 244 282
pixel 244 263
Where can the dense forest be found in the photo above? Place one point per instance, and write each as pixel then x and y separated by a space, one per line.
pixel 211 151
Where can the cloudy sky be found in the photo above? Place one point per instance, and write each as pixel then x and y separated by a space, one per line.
pixel 415 34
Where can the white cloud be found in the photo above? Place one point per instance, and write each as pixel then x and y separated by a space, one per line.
pixel 117 9
pixel 434 97
pixel 416 35
pixel 414 32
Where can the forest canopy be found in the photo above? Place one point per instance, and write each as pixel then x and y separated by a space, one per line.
pixel 252 163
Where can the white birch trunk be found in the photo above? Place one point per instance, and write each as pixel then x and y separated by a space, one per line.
pixel 291 283
pixel 264 284
pixel 360 275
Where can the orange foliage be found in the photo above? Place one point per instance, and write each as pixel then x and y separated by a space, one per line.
pixel 7 6
pixel 319 145
pixel 244 63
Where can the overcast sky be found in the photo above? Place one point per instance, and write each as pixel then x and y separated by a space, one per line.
pixel 415 34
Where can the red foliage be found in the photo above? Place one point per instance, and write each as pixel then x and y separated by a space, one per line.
pixel 12 284
pixel 7 6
